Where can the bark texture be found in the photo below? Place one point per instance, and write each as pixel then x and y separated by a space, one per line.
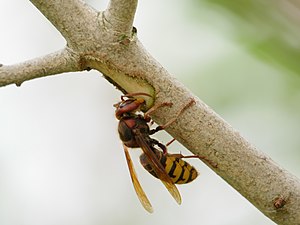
pixel 106 41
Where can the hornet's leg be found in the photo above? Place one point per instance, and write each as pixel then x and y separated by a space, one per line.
pixel 162 127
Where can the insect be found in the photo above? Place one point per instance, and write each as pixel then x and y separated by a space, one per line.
pixel 135 132
pixel 177 169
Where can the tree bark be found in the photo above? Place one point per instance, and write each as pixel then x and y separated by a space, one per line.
pixel 106 41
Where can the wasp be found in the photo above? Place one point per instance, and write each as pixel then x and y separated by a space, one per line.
pixel 134 132
pixel 177 169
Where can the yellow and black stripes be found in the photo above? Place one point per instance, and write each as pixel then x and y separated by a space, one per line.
pixel 178 170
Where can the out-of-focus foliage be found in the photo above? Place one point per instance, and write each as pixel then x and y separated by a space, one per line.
pixel 251 81
pixel 268 28
pixel 61 158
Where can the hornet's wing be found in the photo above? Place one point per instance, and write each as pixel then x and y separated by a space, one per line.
pixel 136 184
pixel 158 167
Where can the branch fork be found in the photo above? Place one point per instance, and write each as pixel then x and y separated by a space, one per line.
pixel 107 42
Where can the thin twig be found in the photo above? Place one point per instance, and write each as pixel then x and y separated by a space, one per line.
pixel 130 67
pixel 120 14
pixel 55 63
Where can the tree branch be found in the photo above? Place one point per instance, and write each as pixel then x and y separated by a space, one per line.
pixel 125 63
pixel 55 63
pixel 120 14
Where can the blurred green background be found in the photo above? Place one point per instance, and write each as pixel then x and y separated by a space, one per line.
pixel 61 161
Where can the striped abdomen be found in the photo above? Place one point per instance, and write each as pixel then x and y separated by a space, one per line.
pixel 178 170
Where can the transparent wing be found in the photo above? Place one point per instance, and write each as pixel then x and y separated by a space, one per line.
pixel 158 168
pixel 136 184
